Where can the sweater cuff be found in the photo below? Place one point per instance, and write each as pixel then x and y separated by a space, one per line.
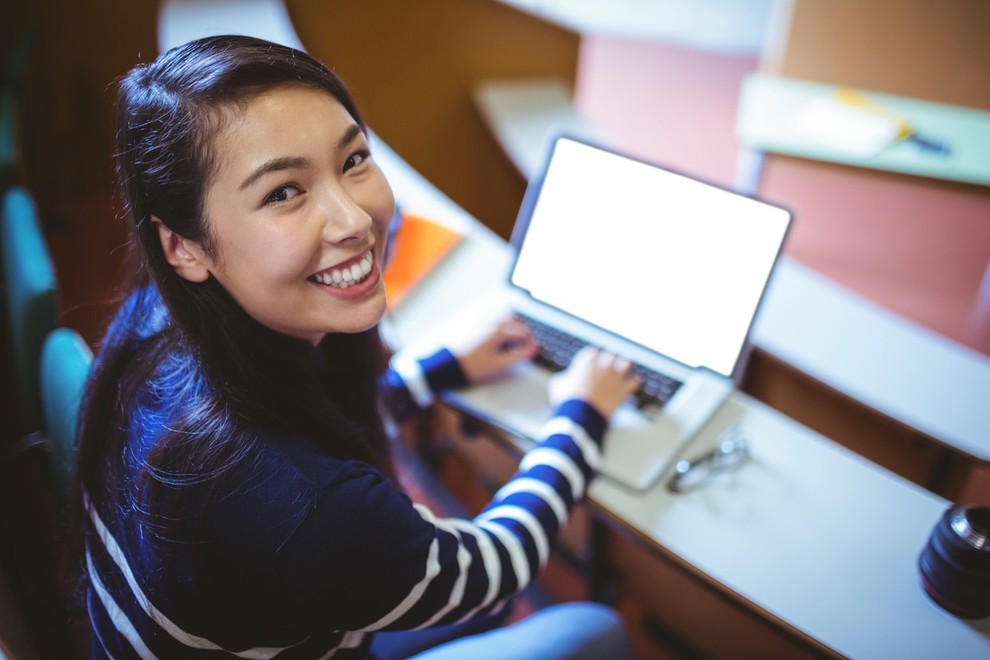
pixel 584 414
pixel 442 372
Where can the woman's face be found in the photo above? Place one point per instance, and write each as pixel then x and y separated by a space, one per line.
pixel 299 214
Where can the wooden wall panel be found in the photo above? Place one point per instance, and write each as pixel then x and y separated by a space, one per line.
pixel 852 424
pixel 67 112
pixel 918 48
pixel 685 608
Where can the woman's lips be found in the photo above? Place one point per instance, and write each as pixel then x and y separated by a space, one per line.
pixel 346 276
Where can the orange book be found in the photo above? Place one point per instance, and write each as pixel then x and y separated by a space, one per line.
pixel 420 245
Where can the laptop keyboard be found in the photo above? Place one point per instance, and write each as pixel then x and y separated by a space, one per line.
pixel 558 347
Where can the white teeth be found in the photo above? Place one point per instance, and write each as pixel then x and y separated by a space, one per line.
pixel 343 278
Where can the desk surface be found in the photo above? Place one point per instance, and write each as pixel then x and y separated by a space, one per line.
pixel 714 25
pixel 771 110
pixel 807 534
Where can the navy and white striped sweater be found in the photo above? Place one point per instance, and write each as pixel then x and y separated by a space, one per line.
pixel 310 554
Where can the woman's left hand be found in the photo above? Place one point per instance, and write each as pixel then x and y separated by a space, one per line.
pixel 506 344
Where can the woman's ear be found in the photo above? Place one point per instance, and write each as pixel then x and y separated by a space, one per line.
pixel 186 256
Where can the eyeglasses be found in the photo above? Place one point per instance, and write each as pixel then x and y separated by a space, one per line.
pixel 731 452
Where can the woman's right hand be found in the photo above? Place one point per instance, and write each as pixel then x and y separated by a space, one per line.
pixel 600 379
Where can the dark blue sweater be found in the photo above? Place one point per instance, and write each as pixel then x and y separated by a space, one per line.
pixel 306 555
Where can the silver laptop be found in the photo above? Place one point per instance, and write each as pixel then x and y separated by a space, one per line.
pixel 659 267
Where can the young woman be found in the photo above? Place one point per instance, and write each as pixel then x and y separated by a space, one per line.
pixel 234 477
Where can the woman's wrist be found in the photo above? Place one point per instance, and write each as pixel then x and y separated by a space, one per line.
pixel 584 413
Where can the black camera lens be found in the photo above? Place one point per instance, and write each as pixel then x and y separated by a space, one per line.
pixel 955 564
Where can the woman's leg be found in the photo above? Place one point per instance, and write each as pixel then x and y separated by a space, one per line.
pixel 570 631
pixel 405 643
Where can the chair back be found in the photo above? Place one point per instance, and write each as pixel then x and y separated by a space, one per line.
pixel 29 276
pixel 66 360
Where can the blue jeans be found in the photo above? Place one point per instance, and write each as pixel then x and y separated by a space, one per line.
pixel 569 631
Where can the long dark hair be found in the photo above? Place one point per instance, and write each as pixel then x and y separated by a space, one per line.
pixel 233 382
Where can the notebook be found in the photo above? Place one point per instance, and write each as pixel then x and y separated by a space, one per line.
pixel 416 245
pixel 659 267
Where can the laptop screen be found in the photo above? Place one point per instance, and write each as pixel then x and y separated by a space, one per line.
pixel 666 261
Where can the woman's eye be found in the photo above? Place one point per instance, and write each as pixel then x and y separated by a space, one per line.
pixel 356 159
pixel 282 194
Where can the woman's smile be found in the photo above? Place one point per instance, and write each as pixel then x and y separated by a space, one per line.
pixel 352 279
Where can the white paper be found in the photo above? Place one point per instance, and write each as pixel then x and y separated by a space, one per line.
pixel 834 125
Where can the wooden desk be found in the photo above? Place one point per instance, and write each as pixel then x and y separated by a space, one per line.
pixel 816 543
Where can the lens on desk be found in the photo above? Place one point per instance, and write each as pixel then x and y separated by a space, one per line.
pixel 955 564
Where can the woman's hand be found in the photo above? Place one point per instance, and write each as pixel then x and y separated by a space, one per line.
pixel 507 343
pixel 600 379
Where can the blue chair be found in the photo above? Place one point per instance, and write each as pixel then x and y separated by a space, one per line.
pixel 66 360
pixel 29 277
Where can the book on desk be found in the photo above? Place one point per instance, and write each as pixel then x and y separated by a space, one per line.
pixel 419 244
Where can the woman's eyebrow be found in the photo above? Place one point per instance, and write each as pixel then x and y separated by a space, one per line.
pixel 350 133
pixel 275 165
pixel 297 162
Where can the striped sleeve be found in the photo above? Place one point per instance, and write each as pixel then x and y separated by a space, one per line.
pixel 409 385
pixel 444 571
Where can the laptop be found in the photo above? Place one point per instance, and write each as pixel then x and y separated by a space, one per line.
pixel 650 264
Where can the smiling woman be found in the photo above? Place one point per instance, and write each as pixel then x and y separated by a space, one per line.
pixel 299 237
pixel 233 478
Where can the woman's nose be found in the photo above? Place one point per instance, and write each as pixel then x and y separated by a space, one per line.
pixel 344 219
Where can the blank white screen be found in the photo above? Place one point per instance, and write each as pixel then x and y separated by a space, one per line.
pixel 666 261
